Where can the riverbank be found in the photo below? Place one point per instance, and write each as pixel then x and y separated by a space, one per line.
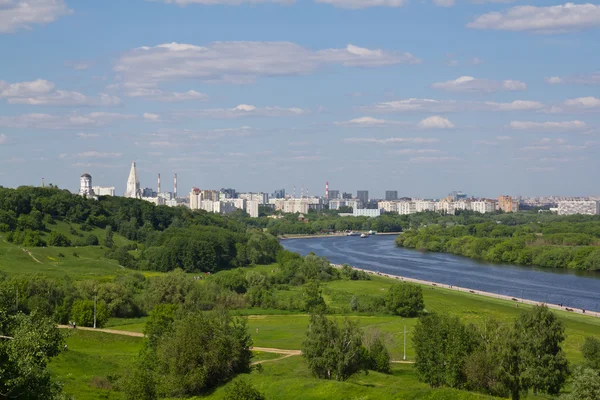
pixel 337 234
pixel 515 300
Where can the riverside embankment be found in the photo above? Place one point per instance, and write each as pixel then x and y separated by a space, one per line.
pixel 575 290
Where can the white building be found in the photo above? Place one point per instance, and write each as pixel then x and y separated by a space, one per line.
pixel 366 212
pixel 446 207
pixel 104 190
pixel 425 205
pixel 463 205
pixel 587 207
pixel 483 206
pixel 336 204
pixel 354 204
pixel 85 186
pixel 407 207
pixel 252 208
pixel 388 206
pixel 133 184
pixel 262 198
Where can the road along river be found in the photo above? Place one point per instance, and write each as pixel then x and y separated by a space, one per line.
pixel 379 254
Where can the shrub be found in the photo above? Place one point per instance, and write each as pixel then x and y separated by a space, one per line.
pixel 57 239
pixel 243 390
pixel 405 299
pixel 82 313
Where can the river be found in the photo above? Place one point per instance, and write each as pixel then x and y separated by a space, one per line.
pixel 378 253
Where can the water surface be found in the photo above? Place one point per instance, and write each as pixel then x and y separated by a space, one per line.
pixel 378 253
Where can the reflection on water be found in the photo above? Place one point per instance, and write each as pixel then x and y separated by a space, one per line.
pixel 378 253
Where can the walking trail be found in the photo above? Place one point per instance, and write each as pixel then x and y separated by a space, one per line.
pixel 284 352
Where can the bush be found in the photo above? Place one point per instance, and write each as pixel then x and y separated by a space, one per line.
pixel 57 239
pixel 242 390
pixel 405 300
pixel 591 352
pixel 379 356
pixel 92 240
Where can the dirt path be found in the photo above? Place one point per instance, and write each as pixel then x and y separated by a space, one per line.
pixel 32 256
pixel 111 331
pixel 274 359
pixel 277 351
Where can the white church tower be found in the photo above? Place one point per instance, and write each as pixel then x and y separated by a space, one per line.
pixel 85 185
pixel 133 184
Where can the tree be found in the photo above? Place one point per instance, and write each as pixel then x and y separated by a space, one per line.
pixel 334 352
pixel 140 381
pixel 405 299
pixel 541 334
pixel 108 237
pixel 442 344
pixel 83 313
pixel 591 352
pixel 379 356
pixel 57 239
pixel 92 240
pixel 585 385
pixel 313 301
pixel 241 389
pixel 36 340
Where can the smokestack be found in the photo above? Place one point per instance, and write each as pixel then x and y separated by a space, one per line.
pixel 301 192
pixel 326 190
pixel 294 192
pixel 158 183
pixel 175 186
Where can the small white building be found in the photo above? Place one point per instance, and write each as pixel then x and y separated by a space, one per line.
pixel 483 206
pixel 587 207
pixel 366 212
pixel 104 190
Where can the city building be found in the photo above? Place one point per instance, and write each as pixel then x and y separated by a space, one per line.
pixel 133 184
pixel 457 195
pixel 104 190
pixel 366 212
pixel 508 204
pixel 425 205
pixel 407 207
pixel 262 198
pixel 391 195
pixel 483 206
pixel 252 208
pixel 388 206
pixel 279 194
pixel 354 204
pixel 149 192
pixel 363 196
pixel 229 193
pixel 346 196
pixel 588 207
pixel 462 205
pixel 445 207
pixel 336 204
pixel 85 186
pixel 333 195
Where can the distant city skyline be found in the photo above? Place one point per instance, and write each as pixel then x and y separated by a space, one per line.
pixel 423 97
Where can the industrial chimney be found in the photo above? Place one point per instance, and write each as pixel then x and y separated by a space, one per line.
pixel 158 183
pixel 175 186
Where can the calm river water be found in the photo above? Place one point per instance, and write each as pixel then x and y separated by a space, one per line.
pixel 378 253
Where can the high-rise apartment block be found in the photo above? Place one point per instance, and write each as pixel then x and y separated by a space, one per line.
pixel 333 195
pixel 587 207
pixel 508 204
pixel 363 196
pixel 346 196
pixel 391 195
pixel 483 206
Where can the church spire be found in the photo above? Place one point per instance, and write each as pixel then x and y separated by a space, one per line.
pixel 133 184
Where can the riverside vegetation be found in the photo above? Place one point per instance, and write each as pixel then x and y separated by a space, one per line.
pixel 200 327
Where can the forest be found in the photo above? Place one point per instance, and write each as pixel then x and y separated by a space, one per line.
pixel 527 239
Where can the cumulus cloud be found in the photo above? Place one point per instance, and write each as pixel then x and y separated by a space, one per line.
pixel 246 110
pixel 357 4
pixel 97 154
pixel 435 122
pixel 41 92
pixel 392 140
pixel 548 126
pixel 368 122
pixel 23 14
pixel 415 151
pixel 442 106
pixel 471 84
pixel 581 79
pixel 87 135
pixel 151 117
pixel 70 121
pixel 550 19
pixel 169 97
pixel 243 62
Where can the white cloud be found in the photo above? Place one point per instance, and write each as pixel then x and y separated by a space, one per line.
pixel 87 135
pixel 42 92
pixel 435 122
pixel 548 126
pixel 97 154
pixel 222 2
pixel 584 103
pixel 581 79
pixel 392 140
pixel 442 106
pixel 415 151
pixel 541 169
pixel 493 1
pixel 246 110
pixel 74 120
pixel 243 62
pixel 357 4
pixel 444 3
pixel 430 160
pixel 3 138
pixel 368 122
pixel 503 138
pixel 152 117
pixel 169 97
pixel 23 14
pixel 470 84
pixel 551 19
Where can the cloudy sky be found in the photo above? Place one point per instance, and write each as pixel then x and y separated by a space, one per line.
pixel 421 96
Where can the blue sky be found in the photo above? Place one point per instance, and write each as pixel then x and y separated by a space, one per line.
pixel 421 96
